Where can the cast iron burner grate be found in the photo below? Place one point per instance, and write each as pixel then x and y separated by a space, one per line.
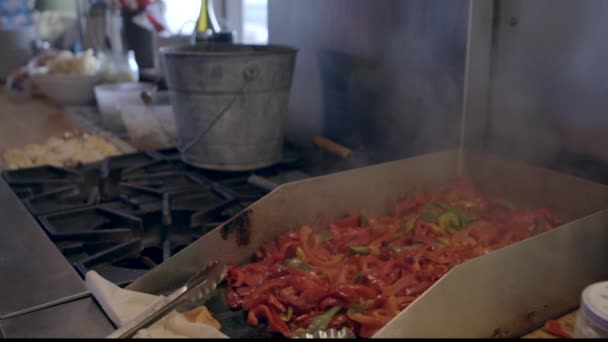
pixel 125 215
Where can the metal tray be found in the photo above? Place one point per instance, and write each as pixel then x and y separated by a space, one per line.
pixel 505 293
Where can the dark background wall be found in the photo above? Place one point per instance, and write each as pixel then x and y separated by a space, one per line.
pixel 384 77
pixel 549 95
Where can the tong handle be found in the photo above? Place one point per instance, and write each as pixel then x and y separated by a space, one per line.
pixel 151 315
pixel 196 288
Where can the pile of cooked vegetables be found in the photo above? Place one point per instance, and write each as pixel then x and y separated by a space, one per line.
pixel 361 270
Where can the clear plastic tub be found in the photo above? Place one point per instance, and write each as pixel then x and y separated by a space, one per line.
pixel 592 317
pixel 110 98
pixel 150 126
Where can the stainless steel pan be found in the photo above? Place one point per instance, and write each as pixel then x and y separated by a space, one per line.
pixel 505 293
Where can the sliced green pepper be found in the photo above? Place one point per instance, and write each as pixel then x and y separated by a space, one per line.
pixel 357 277
pixel 444 242
pixel 407 227
pixel 359 250
pixel 465 218
pixel 297 263
pixel 304 267
pixel 431 211
pixel 287 316
pixel 449 220
pixel 360 307
pixel 430 216
pixel 322 321
pixel 300 253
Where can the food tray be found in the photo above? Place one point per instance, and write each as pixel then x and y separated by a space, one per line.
pixel 506 293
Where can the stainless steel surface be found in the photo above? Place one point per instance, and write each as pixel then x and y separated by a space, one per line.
pixel 197 288
pixel 294 204
pixel 510 292
pixel 230 103
pixel 548 91
pixel 382 77
pixel 273 182
pixel 331 333
pixel 77 319
pixel 34 273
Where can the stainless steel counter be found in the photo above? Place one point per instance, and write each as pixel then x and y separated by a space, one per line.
pixel 34 273
pixel 41 295
pixel 80 318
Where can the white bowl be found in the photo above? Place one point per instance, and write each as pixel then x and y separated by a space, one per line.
pixel 71 90
pixel 110 97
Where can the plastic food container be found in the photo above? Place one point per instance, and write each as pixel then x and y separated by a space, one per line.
pixel 111 97
pixel 592 317
pixel 150 126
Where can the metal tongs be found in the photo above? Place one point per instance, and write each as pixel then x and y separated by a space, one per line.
pixel 331 333
pixel 196 289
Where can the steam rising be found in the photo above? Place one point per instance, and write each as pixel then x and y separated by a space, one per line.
pixel 382 77
pixel 394 88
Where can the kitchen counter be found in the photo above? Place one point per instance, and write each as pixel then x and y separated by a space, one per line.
pixel 567 322
pixel 26 121
pixel 30 121
pixel 62 307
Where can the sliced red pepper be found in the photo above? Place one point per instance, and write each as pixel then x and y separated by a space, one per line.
pixel 274 321
pixel 310 254
pixel 554 328
pixel 244 291
pixel 328 302
pixel 233 299
pixel 272 300
pixel 353 293
pixel 369 320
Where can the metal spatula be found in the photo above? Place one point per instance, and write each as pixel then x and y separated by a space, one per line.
pixel 197 288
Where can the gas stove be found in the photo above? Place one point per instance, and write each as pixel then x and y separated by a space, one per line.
pixel 125 215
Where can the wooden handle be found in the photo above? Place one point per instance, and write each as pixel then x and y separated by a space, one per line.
pixel 332 147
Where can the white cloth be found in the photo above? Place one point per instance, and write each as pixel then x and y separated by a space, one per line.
pixel 123 305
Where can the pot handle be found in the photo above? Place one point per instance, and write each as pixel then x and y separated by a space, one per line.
pixel 332 147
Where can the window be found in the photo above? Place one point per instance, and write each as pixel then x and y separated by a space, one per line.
pixel 248 18
pixel 182 15
pixel 255 21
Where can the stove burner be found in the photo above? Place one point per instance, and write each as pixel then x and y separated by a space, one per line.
pixel 125 215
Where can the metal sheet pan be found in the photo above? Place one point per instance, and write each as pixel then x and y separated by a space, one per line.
pixel 294 204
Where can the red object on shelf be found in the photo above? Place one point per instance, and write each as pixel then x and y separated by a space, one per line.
pixel 554 328
pixel 147 15
pixel 158 27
